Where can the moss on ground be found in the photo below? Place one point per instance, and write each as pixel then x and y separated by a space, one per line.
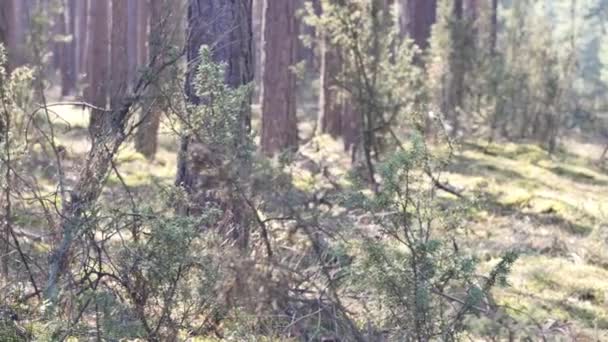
pixel 551 208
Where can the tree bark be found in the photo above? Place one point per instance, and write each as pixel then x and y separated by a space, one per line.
pixel 9 24
pixel 83 36
pixel 99 44
pixel 58 28
pixel 132 46
pixel 257 18
pixel 225 26
pixel 6 13
pixel 146 138
pixel 279 123
pixel 457 65
pixel 143 17
pixel 416 19
pixel 493 26
pixel 330 115
pixel 118 60
pixel 472 9
pixel 68 61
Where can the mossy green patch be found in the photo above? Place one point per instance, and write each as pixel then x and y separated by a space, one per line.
pixel 559 288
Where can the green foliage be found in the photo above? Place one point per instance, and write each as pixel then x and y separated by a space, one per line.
pixel 379 71
pixel 422 285
pixel 217 122
pixel 516 90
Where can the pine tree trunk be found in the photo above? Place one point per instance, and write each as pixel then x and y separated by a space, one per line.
pixel 456 80
pixel 118 61
pixel 68 60
pixel 330 115
pixel 416 20
pixel 146 137
pixel 6 8
pixel 351 128
pixel 132 40
pixel 494 26
pixel 99 45
pixel 6 13
pixel 73 46
pixel 83 37
pixel 226 27
pixel 257 18
pixel 279 123
pixel 143 16
pixel 8 32
pixel 58 29
pixel 472 9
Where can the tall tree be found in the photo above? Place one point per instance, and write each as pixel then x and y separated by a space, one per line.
pixel 472 9
pixel 337 116
pixel 97 90
pixel 132 25
pixel 8 27
pixel 143 17
pixel 68 62
pixel 494 26
pixel 279 124
pixel 6 13
pixel 330 108
pixel 118 60
pixel 225 26
pixel 164 22
pixel 257 18
pixel 416 19
pixel 5 10
pixel 83 35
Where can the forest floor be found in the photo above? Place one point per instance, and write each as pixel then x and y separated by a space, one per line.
pixel 553 209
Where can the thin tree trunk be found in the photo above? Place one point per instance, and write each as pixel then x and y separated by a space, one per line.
pixel 118 61
pixel 351 127
pixel 416 20
pixel 6 14
pixel 8 31
pixel 143 16
pixel 68 58
pixel 330 115
pixel 132 46
pixel 457 66
pixel 225 26
pixel 83 36
pixel 20 26
pixel 97 90
pixel 58 29
pixel 494 26
pixel 146 138
pixel 279 123
pixel 257 18
pixel 73 50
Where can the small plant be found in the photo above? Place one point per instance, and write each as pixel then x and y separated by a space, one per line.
pixel 424 286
